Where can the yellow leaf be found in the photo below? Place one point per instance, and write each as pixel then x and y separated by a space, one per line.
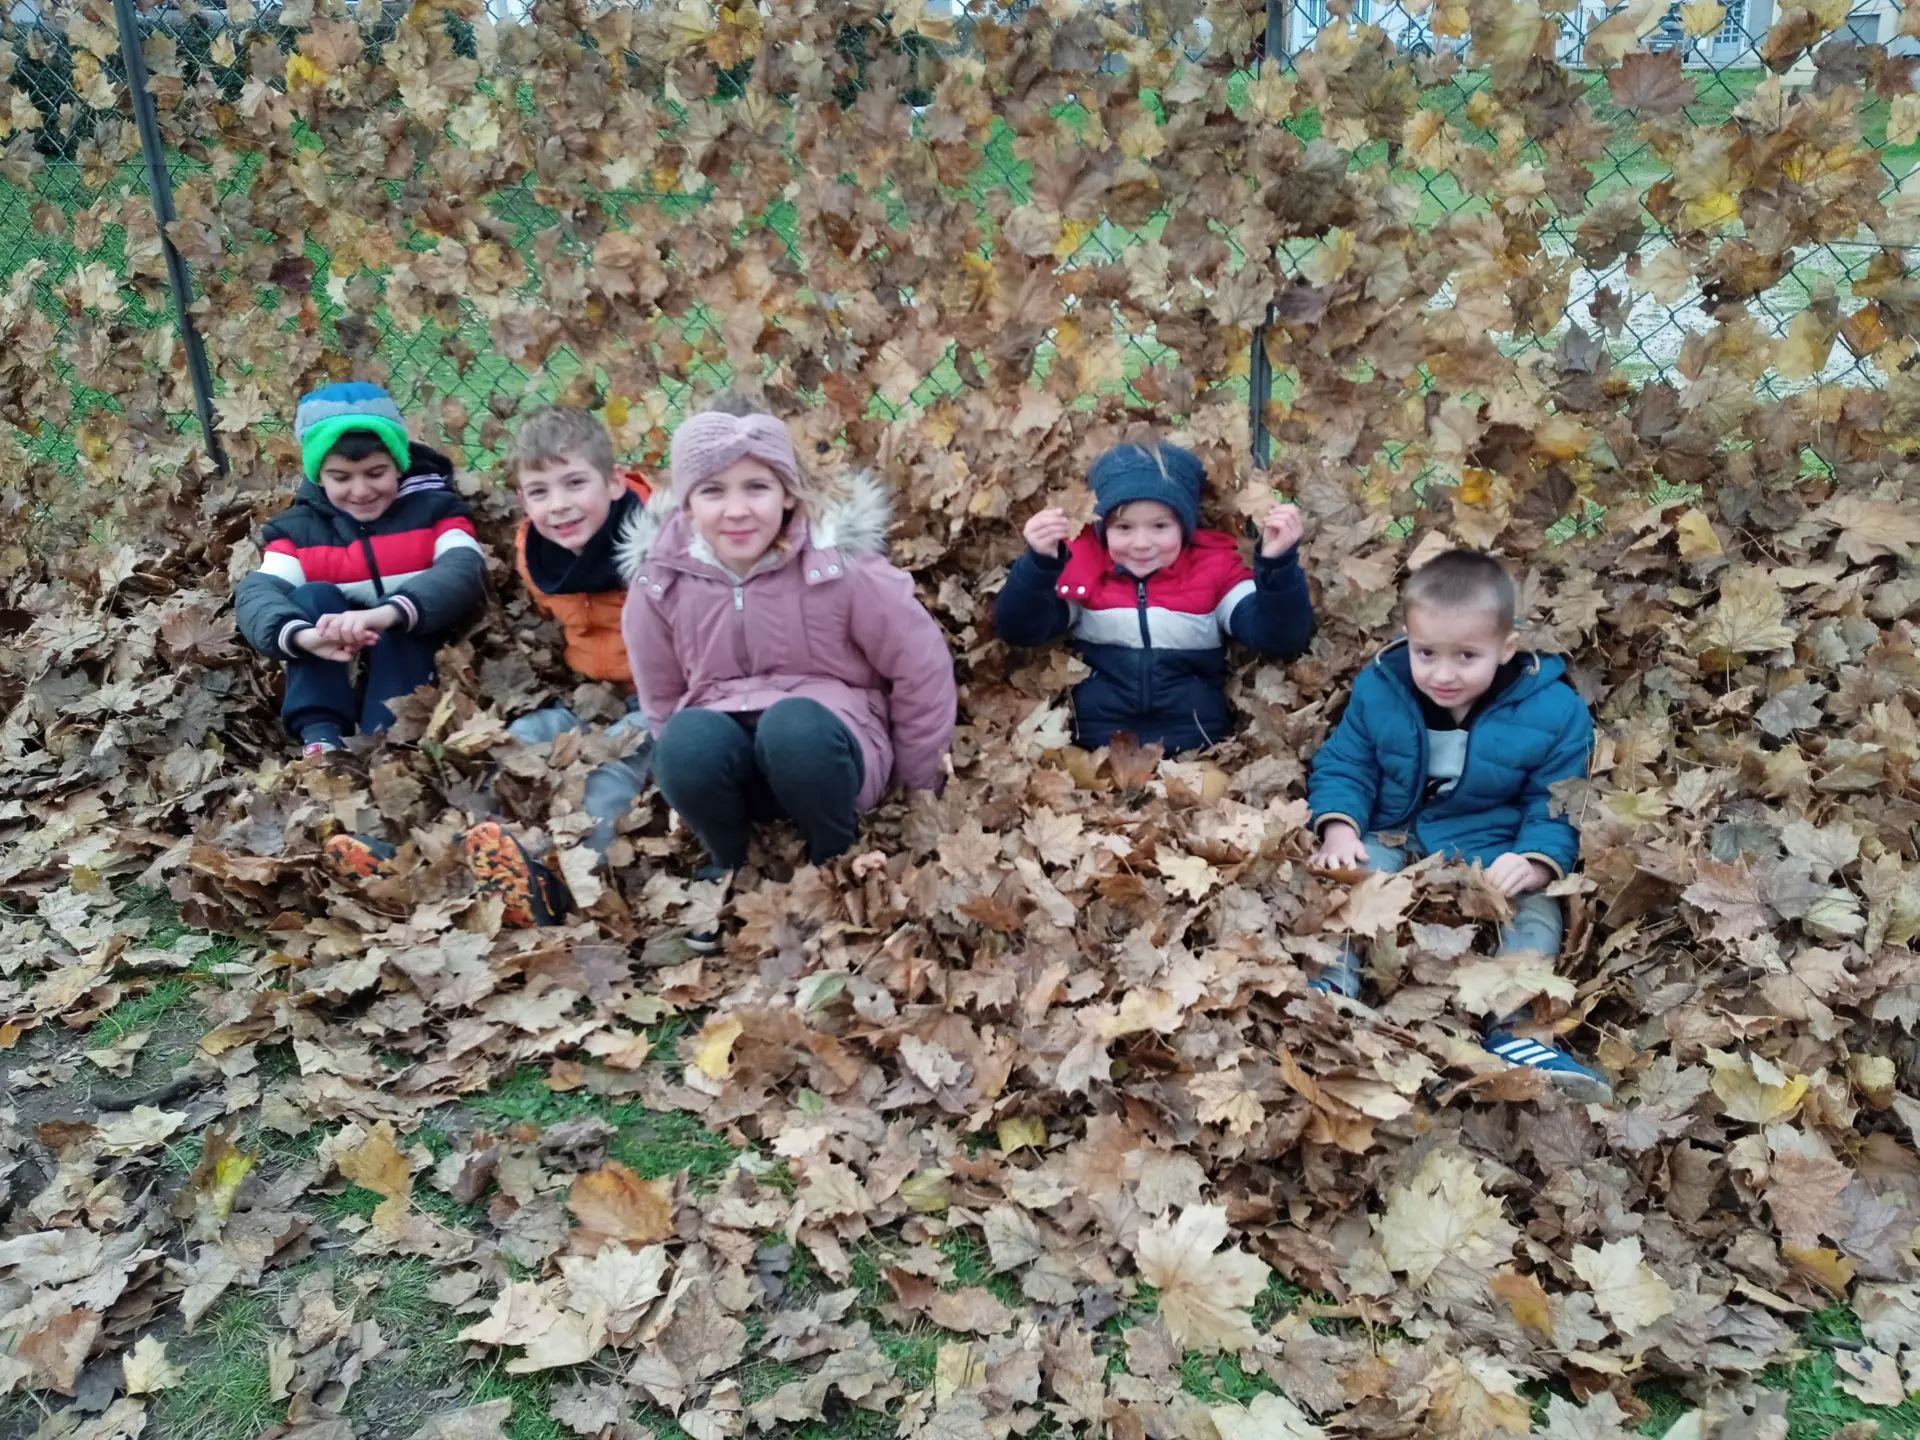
pixel 1702 17
pixel 613 1203
pixel 926 1191
pixel 1754 1089
pixel 303 72
pixel 1526 1300
pixel 713 1047
pixel 1024 1130
pixel 1271 93
pixel 147 1368
pixel 1719 208
pixel 376 1164
pixel 1696 537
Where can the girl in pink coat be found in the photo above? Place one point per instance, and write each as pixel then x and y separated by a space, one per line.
pixel 784 667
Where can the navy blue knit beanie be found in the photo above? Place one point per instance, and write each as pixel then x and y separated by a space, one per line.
pixel 1159 471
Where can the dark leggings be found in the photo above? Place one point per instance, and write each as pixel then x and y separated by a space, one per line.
pixel 724 772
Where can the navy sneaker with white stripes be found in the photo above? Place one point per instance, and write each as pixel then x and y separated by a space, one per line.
pixel 1342 976
pixel 1579 1081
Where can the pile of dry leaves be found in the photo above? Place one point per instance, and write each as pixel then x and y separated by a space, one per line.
pixel 1062 1007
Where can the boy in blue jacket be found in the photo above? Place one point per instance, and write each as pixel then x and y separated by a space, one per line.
pixel 1148 599
pixel 1452 739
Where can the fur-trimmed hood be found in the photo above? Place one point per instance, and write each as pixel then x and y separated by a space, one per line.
pixel 854 517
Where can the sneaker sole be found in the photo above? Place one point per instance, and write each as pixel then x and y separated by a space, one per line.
pixel 703 945
pixel 500 869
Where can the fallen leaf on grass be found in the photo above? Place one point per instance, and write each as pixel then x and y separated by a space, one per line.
pixel 613 1203
pixel 376 1164
pixel 146 1368
pixel 1204 1290
pixel 1625 1288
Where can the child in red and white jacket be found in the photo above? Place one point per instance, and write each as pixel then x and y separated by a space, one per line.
pixel 1148 599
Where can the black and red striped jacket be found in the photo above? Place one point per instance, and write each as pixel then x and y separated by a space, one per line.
pixel 422 556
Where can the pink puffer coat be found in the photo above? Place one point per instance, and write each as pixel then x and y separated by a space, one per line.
pixel 824 617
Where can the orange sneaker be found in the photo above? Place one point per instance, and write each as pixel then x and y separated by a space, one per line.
pixel 356 857
pixel 530 893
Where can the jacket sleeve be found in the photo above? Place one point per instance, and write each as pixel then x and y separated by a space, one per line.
pixel 452 587
pixel 899 639
pixel 263 605
pixel 1553 839
pixel 1346 773
pixel 1276 616
pixel 659 684
pixel 1027 611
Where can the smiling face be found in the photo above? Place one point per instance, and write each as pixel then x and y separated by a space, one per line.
pixel 1455 651
pixel 362 488
pixel 1144 536
pixel 567 499
pixel 740 513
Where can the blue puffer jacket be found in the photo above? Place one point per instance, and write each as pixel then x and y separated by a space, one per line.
pixel 1157 647
pixel 1372 770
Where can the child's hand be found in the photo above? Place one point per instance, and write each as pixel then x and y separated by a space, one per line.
pixel 359 628
pixel 1512 874
pixel 322 646
pixel 1341 848
pixel 1047 531
pixel 1280 531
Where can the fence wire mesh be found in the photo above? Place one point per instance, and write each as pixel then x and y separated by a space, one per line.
pixel 78 244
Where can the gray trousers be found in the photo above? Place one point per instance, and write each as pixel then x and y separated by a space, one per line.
pixel 612 787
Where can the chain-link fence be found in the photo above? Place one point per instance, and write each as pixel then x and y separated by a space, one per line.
pixel 1694 64
pixel 79 246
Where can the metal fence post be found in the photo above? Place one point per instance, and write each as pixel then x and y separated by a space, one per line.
pixel 1259 370
pixel 160 187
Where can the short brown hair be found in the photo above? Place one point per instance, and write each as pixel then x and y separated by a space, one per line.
pixel 554 431
pixel 1459 579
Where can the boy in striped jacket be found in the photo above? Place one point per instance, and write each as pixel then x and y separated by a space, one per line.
pixel 376 556
pixel 1148 599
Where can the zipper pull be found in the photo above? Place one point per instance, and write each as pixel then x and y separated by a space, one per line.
pixel 739 597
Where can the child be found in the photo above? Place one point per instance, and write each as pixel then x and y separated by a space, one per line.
pixel 785 668
pixel 577 502
pixel 1149 599
pixel 376 554
pixel 1452 738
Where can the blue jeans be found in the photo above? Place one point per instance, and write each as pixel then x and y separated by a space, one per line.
pixel 724 772
pixel 321 692
pixel 612 787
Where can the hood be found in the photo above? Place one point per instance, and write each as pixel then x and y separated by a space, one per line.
pixel 428 471
pixel 854 518
pixel 1541 671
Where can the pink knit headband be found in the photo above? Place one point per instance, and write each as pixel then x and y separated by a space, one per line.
pixel 708 443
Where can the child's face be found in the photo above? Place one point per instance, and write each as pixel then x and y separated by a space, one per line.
pixel 362 488
pixel 739 512
pixel 1455 652
pixel 1144 536
pixel 567 499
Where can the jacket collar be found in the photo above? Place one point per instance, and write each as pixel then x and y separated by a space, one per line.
pixel 853 521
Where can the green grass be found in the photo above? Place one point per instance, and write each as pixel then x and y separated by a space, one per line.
pixel 224 1395
pixel 142 1012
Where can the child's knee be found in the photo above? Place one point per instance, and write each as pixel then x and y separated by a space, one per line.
pixel 797 730
pixel 697 742
pixel 320 597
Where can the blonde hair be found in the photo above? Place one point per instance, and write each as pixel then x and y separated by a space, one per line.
pixel 556 431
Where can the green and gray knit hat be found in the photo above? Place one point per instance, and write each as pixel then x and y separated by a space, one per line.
pixel 331 411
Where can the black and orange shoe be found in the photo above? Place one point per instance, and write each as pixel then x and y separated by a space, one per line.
pixel 530 893
pixel 357 857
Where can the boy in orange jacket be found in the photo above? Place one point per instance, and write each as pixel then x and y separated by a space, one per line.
pixel 578 502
